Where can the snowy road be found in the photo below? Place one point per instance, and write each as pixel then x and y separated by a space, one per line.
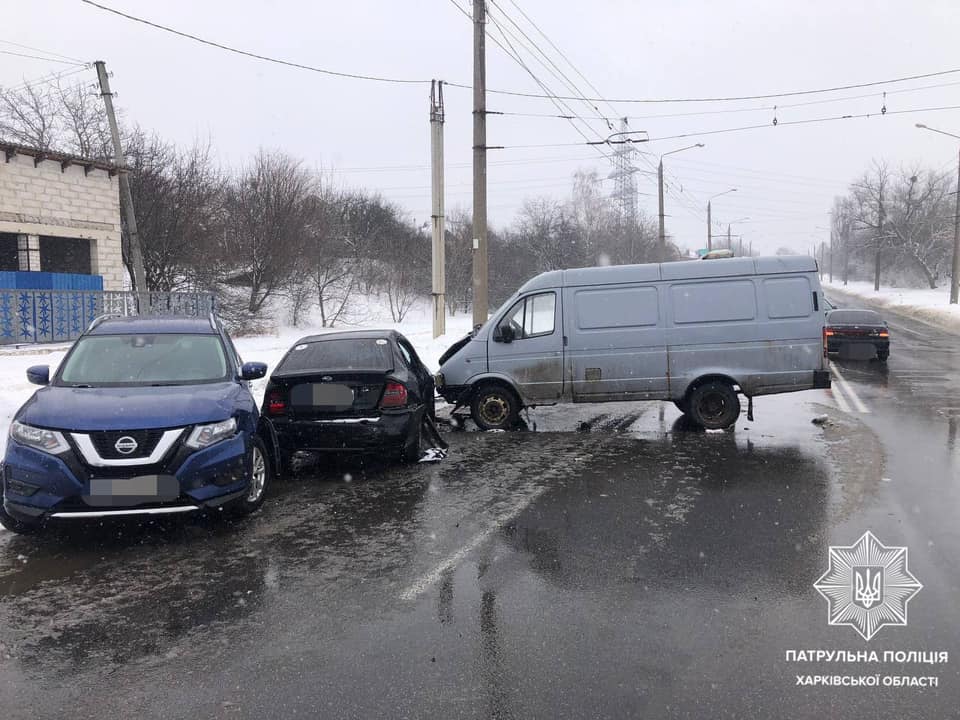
pixel 610 563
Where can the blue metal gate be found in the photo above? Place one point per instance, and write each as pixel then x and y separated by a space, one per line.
pixel 47 316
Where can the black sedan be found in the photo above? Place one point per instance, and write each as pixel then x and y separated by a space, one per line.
pixel 354 391
pixel 851 328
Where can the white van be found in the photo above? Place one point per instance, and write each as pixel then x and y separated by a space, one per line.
pixel 693 332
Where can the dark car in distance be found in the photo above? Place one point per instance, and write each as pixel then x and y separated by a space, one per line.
pixel 349 392
pixel 145 416
pixel 857 328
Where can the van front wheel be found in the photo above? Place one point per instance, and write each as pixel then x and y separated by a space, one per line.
pixel 714 405
pixel 494 407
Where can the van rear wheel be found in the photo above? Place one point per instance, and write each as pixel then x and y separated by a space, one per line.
pixel 714 405
pixel 494 407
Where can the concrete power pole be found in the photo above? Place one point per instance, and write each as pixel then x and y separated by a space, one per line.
pixel 134 251
pixel 437 215
pixel 955 277
pixel 663 236
pixel 709 228
pixel 729 246
pixel 480 272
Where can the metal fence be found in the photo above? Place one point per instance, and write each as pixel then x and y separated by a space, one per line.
pixel 48 316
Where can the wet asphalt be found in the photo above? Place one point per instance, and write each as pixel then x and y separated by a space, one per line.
pixel 608 562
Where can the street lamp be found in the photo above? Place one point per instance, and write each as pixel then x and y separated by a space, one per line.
pixel 663 237
pixel 734 222
pixel 955 273
pixel 709 226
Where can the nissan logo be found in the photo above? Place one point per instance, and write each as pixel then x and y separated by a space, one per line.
pixel 125 445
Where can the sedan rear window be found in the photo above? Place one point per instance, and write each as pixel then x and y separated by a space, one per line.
pixel 854 317
pixel 352 354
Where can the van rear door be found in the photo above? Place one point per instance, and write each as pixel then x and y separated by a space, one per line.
pixel 526 345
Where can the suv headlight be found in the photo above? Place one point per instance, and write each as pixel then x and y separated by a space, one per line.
pixel 39 438
pixel 206 435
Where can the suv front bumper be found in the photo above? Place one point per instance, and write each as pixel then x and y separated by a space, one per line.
pixel 37 485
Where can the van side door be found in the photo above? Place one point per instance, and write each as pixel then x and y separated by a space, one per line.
pixel 616 342
pixel 526 345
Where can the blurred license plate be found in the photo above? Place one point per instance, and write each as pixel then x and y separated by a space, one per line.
pixel 332 395
pixel 144 486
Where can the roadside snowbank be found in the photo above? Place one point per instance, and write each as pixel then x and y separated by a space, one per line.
pixel 932 306
pixel 417 326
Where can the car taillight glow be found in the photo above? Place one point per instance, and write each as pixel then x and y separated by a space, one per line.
pixel 828 333
pixel 394 395
pixel 884 333
pixel 276 404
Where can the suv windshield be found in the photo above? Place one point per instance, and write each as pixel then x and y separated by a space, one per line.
pixel 145 360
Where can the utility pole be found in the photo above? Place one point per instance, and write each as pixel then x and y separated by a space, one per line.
pixel 820 264
pixel 709 229
pixel 955 277
pixel 831 251
pixel 729 247
pixel 134 252
pixel 662 235
pixel 876 262
pixel 480 273
pixel 437 220
pixel 846 253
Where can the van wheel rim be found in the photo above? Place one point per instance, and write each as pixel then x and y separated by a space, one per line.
pixel 258 475
pixel 494 410
pixel 713 406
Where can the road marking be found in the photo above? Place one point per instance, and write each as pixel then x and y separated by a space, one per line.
pixel 839 399
pixel 431 578
pixel 848 391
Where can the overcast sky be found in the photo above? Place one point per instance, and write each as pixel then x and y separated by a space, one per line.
pixel 376 135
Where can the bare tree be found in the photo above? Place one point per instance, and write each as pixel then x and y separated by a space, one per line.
pixel 83 121
pixel 28 116
pixel 266 215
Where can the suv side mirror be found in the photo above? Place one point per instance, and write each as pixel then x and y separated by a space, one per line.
pixel 253 370
pixel 505 334
pixel 39 374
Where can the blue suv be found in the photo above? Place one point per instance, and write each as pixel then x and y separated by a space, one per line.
pixel 146 415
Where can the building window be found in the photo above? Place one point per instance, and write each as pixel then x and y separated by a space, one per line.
pixel 9 252
pixel 65 255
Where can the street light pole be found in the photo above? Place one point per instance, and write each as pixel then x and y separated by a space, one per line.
pixel 710 217
pixel 662 234
pixel 955 272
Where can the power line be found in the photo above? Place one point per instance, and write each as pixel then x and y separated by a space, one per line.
pixel 731 98
pixel 37 57
pixel 47 79
pixel 42 51
pixel 742 128
pixel 257 56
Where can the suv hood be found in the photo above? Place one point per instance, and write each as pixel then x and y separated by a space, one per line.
pixel 128 408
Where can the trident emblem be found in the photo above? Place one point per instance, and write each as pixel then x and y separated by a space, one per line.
pixel 867 586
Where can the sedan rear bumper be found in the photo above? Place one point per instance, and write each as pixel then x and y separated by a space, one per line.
pixel 387 430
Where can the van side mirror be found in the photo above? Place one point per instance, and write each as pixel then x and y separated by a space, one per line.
pixel 39 374
pixel 504 334
pixel 253 370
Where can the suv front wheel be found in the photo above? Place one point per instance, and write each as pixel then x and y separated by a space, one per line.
pixel 259 478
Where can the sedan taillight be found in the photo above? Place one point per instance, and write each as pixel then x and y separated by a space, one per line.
pixel 276 403
pixel 394 396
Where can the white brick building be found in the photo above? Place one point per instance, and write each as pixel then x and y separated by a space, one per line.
pixel 59 213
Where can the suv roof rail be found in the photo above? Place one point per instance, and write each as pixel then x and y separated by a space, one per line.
pixel 100 318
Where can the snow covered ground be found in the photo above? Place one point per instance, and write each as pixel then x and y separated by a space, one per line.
pixel 931 305
pixel 265 348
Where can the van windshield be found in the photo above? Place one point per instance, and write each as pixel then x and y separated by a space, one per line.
pixel 144 360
